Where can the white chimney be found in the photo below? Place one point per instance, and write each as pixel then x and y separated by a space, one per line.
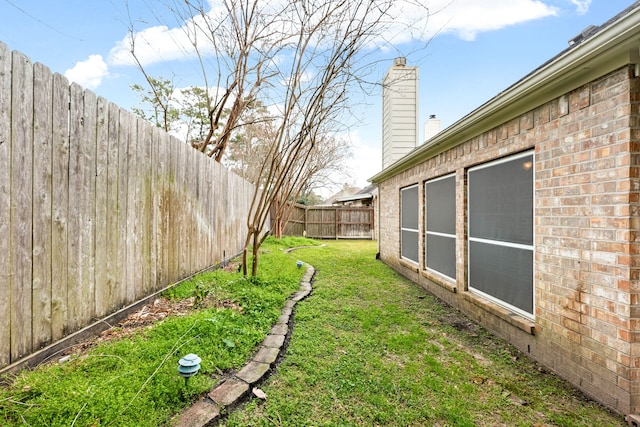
pixel 399 111
pixel 431 127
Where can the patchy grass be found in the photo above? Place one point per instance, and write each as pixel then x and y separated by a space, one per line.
pixel 132 380
pixel 370 348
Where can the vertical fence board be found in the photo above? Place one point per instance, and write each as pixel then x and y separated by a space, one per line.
pixel 6 275
pixel 219 247
pixel 112 242
pixel 194 209
pixel 166 207
pixel 82 178
pixel 224 216
pixel 214 195
pixel 154 176
pixel 162 171
pixel 42 189
pixel 123 174
pixel 203 247
pixel 87 232
pixel 176 206
pixel 102 294
pixel 199 226
pixel 144 212
pixel 172 207
pixel 130 230
pixel 135 243
pixel 60 206
pixel 181 208
pixel 75 297
pixel 150 206
pixel 210 201
pixel 22 204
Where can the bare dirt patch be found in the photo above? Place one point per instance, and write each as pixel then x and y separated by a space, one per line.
pixel 148 316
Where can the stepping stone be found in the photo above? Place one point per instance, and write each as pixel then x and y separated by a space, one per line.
pixel 253 372
pixel 267 355
pixel 200 414
pixel 229 392
pixel 279 329
pixel 273 341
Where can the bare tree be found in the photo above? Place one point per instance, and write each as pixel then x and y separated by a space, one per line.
pixel 301 58
pixel 242 37
pixel 250 144
pixel 326 37
pixel 327 157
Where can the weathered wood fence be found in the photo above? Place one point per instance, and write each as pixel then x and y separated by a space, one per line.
pixel 98 208
pixel 331 222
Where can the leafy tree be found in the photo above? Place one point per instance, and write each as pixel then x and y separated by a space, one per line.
pixel 158 99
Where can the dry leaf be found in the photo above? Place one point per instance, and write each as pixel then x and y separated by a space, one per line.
pixel 259 393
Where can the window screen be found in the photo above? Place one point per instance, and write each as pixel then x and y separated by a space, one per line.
pixel 440 228
pixel 502 272
pixel 409 223
pixel 500 197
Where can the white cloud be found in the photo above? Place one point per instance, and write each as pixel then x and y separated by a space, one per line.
pixel 366 160
pixel 152 45
pixel 462 18
pixel 161 43
pixel 582 6
pixel 88 73
pixel 465 18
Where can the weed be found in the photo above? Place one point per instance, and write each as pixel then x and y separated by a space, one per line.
pixel 201 293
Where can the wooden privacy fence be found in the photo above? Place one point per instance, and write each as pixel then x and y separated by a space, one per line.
pixel 331 222
pixel 98 208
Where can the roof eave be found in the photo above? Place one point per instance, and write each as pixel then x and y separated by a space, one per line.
pixel 355 197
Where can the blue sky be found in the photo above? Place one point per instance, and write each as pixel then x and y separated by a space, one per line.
pixel 472 50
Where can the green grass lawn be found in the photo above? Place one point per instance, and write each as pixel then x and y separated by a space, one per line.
pixel 368 348
pixel 133 381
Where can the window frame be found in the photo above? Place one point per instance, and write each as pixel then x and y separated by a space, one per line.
pixel 403 226
pixel 529 248
pixel 427 232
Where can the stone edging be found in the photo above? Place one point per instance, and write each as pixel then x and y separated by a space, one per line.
pixel 229 393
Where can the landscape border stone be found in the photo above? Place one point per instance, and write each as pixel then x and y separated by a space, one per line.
pixel 230 392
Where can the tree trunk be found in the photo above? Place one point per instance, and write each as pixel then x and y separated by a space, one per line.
pixel 245 251
pixel 277 228
pixel 256 251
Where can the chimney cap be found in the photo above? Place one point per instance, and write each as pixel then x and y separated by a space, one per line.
pixel 400 61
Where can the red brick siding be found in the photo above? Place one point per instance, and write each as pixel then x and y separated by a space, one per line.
pixel 587 198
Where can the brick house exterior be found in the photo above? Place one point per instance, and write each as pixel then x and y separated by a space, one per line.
pixel 578 117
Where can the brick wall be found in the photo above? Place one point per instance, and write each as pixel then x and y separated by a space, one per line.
pixel 586 202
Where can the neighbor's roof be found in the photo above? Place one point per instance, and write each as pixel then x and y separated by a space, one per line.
pixel 595 52
pixel 365 193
